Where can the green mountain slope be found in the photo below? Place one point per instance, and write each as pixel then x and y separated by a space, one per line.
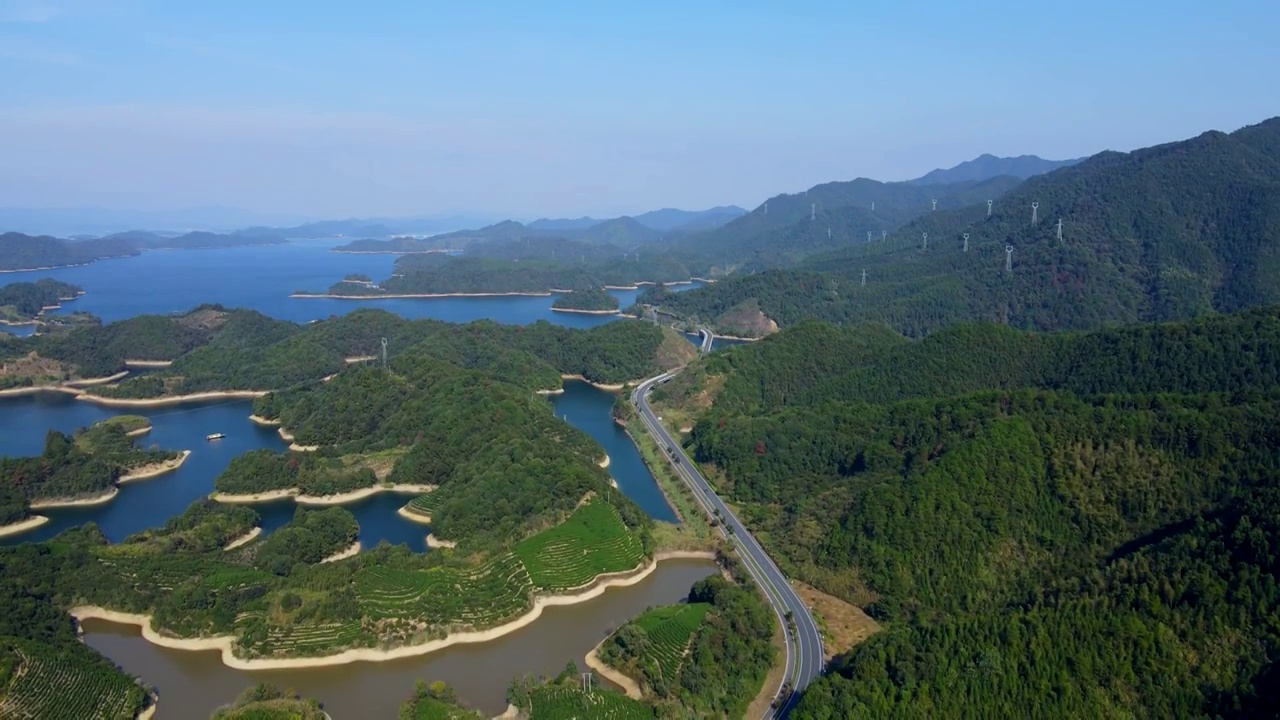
pixel 789 227
pixel 1165 233
pixel 1047 525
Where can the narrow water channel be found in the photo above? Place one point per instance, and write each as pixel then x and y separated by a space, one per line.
pixel 193 684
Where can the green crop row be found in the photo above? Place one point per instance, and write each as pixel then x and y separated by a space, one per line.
pixel 558 702
pixel 49 685
pixel 592 541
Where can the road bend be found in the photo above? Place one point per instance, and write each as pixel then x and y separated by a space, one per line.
pixel 708 339
pixel 804 643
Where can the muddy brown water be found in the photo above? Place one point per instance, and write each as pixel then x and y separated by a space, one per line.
pixel 192 684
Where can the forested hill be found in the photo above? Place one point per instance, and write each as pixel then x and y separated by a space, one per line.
pixel 816 363
pixel 1165 233
pixel 23 301
pixel 213 348
pixel 987 166
pixel 1079 524
pixel 780 231
pixel 28 252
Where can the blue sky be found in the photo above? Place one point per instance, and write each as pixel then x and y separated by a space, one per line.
pixel 333 109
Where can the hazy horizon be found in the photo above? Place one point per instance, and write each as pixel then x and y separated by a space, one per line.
pixel 302 112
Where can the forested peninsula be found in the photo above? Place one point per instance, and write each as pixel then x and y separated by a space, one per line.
pixel 22 303
pixel 213 350
pixel 80 469
pixel 1092 512
pixel 525 516
pixel 540 266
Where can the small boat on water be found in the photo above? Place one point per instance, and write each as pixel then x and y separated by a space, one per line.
pixel 214 436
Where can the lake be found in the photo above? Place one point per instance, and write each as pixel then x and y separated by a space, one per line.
pixel 192 684
pixel 263 277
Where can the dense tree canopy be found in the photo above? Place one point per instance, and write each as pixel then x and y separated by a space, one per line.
pixel 1164 233
pixel 24 301
pixel 1070 523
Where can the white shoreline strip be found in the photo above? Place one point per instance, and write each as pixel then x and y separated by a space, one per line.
pixel 225 644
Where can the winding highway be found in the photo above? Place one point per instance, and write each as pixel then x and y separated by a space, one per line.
pixel 804 643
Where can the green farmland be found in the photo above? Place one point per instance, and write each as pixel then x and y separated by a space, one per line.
pixel 594 540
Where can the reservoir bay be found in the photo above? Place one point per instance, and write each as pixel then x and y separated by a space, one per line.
pixel 263 277
pixel 192 684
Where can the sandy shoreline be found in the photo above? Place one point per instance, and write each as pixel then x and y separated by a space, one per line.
pixel 225 643
pixel 147 363
pixel 557 391
pixel 350 552
pixel 340 499
pixel 259 420
pixel 617 677
pixel 436 543
pixel 605 462
pixel 37 389
pixel 287 436
pixel 101 499
pixel 412 515
pixel 155 469
pixel 418 296
pixel 251 498
pixel 139 432
pixel 149 711
pixel 171 400
pixel 22 526
pixel 54 267
pixel 586 312
pixel 244 539
pixel 598 386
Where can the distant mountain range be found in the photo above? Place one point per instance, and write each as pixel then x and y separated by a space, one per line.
pixel 96 222
pixel 621 232
pixel 664 220
pixel 30 252
pixel 1164 233
pixel 986 166
pixel 788 227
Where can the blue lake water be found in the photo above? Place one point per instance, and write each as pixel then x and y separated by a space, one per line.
pixel 262 278
pixel 24 421
pixel 191 684
pixel 591 411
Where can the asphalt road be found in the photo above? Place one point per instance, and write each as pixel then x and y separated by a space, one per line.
pixel 804 644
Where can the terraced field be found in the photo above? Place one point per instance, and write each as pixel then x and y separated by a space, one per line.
pixel 592 541
pixel 480 596
pixel 670 629
pixel 559 702
pixel 426 504
pixel 305 639
pixel 48 684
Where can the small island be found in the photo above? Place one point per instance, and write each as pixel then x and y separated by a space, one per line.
pixel 592 302
pixel 23 303
pixel 81 469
